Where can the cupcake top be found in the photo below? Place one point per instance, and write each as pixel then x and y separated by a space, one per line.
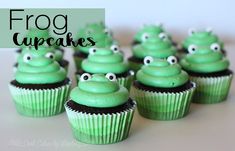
pixel 201 39
pixel 155 46
pixel 39 67
pixel 92 28
pixel 99 91
pixel 162 73
pixel 35 32
pixel 205 60
pixel 105 60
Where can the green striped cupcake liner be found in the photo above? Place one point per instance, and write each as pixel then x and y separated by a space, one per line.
pixel 163 106
pixel 124 81
pixel 100 128
pixel 211 90
pixel 40 103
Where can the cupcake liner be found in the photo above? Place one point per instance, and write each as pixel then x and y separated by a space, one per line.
pixel 124 81
pixel 163 106
pixel 78 62
pixel 211 89
pixel 100 128
pixel 134 66
pixel 40 103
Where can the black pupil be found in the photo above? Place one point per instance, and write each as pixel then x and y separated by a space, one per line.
pixel 94 50
pixel 148 61
pixel 85 77
pixel 115 49
pixel 146 37
pixel 28 58
pixel 193 49
pixel 216 48
pixel 51 56
pixel 111 77
pixel 173 60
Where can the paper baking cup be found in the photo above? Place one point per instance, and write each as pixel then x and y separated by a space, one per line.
pixel 78 62
pixel 134 66
pixel 40 103
pixel 100 128
pixel 211 89
pixel 124 81
pixel 162 106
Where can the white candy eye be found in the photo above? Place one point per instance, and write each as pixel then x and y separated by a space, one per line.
pixel 191 31
pixel 50 55
pixel 148 60
pixel 144 37
pixel 172 60
pixel 85 77
pixel 115 48
pixel 111 76
pixel 27 58
pixel 209 30
pixel 215 47
pixel 107 31
pixel 92 51
pixel 163 36
pixel 192 49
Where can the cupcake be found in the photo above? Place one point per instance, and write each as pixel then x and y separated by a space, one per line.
pixel 100 35
pixel 100 110
pixel 208 68
pixel 162 90
pixel 40 87
pixel 202 39
pixel 105 60
pixel 155 46
pixel 152 30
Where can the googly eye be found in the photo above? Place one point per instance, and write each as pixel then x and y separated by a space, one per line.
pixel 111 76
pixel 27 58
pixel 85 77
pixel 191 31
pixel 192 49
pixel 50 55
pixel 148 60
pixel 209 30
pixel 92 51
pixel 115 48
pixel 144 37
pixel 172 60
pixel 163 36
pixel 215 47
pixel 107 31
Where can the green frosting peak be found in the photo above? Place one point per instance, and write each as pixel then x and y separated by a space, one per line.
pixel 204 60
pixel 39 67
pixel 202 39
pixel 99 91
pixel 155 47
pixel 162 73
pixel 105 60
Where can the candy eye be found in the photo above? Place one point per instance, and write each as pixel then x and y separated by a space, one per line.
pixel 215 47
pixel 107 31
pixel 115 48
pixel 172 60
pixel 27 58
pixel 163 36
pixel 191 31
pixel 92 51
pixel 148 60
pixel 50 55
pixel 85 77
pixel 192 49
pixel 111 76
pixel 144 37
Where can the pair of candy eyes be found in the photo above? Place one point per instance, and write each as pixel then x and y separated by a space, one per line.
pixel 87 76
pixel 106 31
pixel 170 59
pixel 162 35
pixel 28 57
pixel 193 48
pixel 114 48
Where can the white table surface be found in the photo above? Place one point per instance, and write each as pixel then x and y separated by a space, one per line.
pixel 206 128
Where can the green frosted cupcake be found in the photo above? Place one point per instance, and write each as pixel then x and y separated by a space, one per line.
pixel 208 68
pixel 105 60
pixel 40 87
pixel 155 46
pixel 203 39
pixel 100 34
pixel 162 90
pixel 100 110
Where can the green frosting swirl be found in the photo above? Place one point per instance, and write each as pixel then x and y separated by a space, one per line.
pixel 160 73
pixel 99 92
pixel 154 47
pixel 104 60
pixel 205 61
pixel 38 67
pixel 202 39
